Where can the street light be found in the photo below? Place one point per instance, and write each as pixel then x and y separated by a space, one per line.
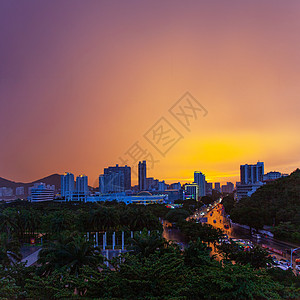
pixel 292 251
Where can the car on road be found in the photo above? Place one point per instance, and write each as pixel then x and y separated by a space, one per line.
pixel 257 236
pixel 224 239
pixel 274 259
pixel 282 267
pixel 243 244
pixel 284 264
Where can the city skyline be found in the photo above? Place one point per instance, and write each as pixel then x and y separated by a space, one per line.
pixel 191 179
pixel 74 97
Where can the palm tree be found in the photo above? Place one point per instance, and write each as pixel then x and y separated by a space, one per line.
pixel 95 220
pixel 104 218
pixel 110 218
pixel 144 244
pixel 139 220
pixel 126 217
pixel 33 221
pixel 9 250
pixel 6 223
pixel 58 221
pixel 71 253
pixel 19 219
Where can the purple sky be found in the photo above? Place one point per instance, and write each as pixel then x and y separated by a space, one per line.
pixel 81 81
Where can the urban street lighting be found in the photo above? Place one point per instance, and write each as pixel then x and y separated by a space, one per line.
pixel 292 251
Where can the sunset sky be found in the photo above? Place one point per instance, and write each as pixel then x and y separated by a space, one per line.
pixel 82 81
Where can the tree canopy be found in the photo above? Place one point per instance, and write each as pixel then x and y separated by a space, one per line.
pixel 70 266
pixel 276 203
pixel 163 273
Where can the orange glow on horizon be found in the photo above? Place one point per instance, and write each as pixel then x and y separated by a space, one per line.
pixel 78 92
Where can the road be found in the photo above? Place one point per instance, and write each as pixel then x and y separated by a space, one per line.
pixel 31 259
pixel 216 217
pixel 173 234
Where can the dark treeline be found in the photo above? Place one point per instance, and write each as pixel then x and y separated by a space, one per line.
pixel 27 220
pixel 70 266
pixel 275 204
pixel 47 222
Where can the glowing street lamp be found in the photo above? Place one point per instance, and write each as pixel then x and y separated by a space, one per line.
pixel 292 251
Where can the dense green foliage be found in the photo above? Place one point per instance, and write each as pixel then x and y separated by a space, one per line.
pixel 162 272
pixel 247 212
pixel 144 244
pixel 204 232
pixel 69 265
pixel 49 219
pixel 228 203
pixel 207 200
pixel 275 204
pixel 9 249
pixel 256 257
pixel 189 205
pixel 177 215
pixel 70 251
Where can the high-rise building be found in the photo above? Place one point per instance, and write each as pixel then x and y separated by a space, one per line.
pixel 251 179
pixel 82 189
pixel 67 185
pixel 161 185
pixel 246 190
pixel 208 188
pixel 151 184
pixel 142 175
pixel 41 193
pixel 112 182
pixel 252 173
pixel 126 170
pixel 115 180
pixel 102 183
pixel 82 184
pixel 218 186
pixel 176 186
pixel 192 191
pixel 38 184
pixel 199 178
pixel 228 188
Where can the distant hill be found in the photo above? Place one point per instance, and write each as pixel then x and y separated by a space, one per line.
pixel 7 183
pixel 53 179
